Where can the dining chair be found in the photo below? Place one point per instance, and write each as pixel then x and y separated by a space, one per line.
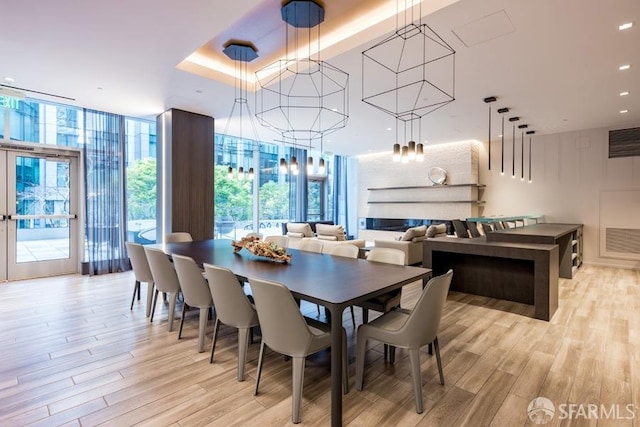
pixel 282 241
pixel 233 308
pixel 165 278
pixel 410 330
pixel 486 228
pixel 285 331
pixel 141 272
pixel 389 300
pixel 460 228
pixel 178 237
pixel 348 251
pixel 196 293
pixel 309 245
pixel 254 234
pixel 498 225
pixel 473 229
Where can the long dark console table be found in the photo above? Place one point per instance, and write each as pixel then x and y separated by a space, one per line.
pixel 567 236
pixel 520 272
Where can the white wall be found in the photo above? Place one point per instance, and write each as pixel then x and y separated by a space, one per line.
pixel 459 159
pixel 572 181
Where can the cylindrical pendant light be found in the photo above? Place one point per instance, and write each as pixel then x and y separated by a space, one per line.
pixel 283 165
pixel 404 157
pixel 530 132
pixel 502 111
pixel 396 152
pixel 309 165
pixel 513 146
pixel 240 173
pixel 293 165
pixel 250 176
pixel 230 173
pixel 420 152
pixel 489 100
pixel 411 150
pixel 522 127
pixel 321 169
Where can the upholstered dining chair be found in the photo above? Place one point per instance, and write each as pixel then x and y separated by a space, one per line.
pixel 311 246
pixel 282 241
pixel 141 272
pixel 473 229
pixel 285 331
pixel 196 293
pixel 486 228
pixel 408 329
pixel 254 234
pixel 348 251
pixel 233 308
pixel 166 280
pixel 390 300
pixel 177 237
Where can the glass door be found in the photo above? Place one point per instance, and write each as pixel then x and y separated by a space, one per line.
pixel 41 215
pixel 315 199
pixel 3 217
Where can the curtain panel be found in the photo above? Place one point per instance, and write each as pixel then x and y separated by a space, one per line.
pixel 104 175
pixel 340 205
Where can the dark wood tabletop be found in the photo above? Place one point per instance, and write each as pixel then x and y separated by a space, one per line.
pixel 331 281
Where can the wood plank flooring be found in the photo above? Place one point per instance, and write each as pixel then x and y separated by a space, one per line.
pixel 73 354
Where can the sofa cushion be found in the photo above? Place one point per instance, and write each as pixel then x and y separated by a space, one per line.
pixel 300 227
pixel 414 232
pixel 436 229
pixel 295 235
pixel 324 230
pixel 330 238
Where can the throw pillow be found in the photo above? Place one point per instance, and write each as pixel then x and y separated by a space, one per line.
pixel 435 229
pixel 300 227
pixel 414 232
pixel 336 231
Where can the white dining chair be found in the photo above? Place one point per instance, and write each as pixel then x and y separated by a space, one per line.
pixel 309 245
pixel 196 293
pixel 410 330
pixel 166 280
pixel 141 272
pixel 348 251
pixel 285 331
pixel 282 241
pixel 233 308
pixel 178 237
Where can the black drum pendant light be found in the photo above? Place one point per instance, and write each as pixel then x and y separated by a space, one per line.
pixel 489 100
pixel 513 146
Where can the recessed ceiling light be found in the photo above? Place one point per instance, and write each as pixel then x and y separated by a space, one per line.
pixel 198 91
pixel 625 26
pixel 388 128
pixel 625 93
pixel 9 79
pixel 624 111
pixel 624 67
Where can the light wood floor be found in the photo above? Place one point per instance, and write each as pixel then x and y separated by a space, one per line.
pixel 72 353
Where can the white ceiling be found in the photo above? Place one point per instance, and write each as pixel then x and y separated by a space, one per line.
pixel 556 67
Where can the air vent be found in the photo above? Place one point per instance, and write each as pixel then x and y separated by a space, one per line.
pixel 624 143
pixel 623 240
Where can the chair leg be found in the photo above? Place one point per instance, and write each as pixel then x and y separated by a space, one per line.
pixel 172 308
pixel 298 381
pixel 215 337
pixel 318 307
pixel 202 327
pixel 431 348
pixel 353 318
pixel 136 290
pixel 365 316
pixel 392 354
pixel 150 287
pixel 386 352
pixel 414 356
pixel 360 350
pixel 153 306
pixel 243 343
pixel 260 357
pixel 184 309
pixel 438 359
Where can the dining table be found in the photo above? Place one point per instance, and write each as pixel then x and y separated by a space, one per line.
pixel 331 281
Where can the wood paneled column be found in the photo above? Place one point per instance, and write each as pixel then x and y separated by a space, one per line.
pixel 185 174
